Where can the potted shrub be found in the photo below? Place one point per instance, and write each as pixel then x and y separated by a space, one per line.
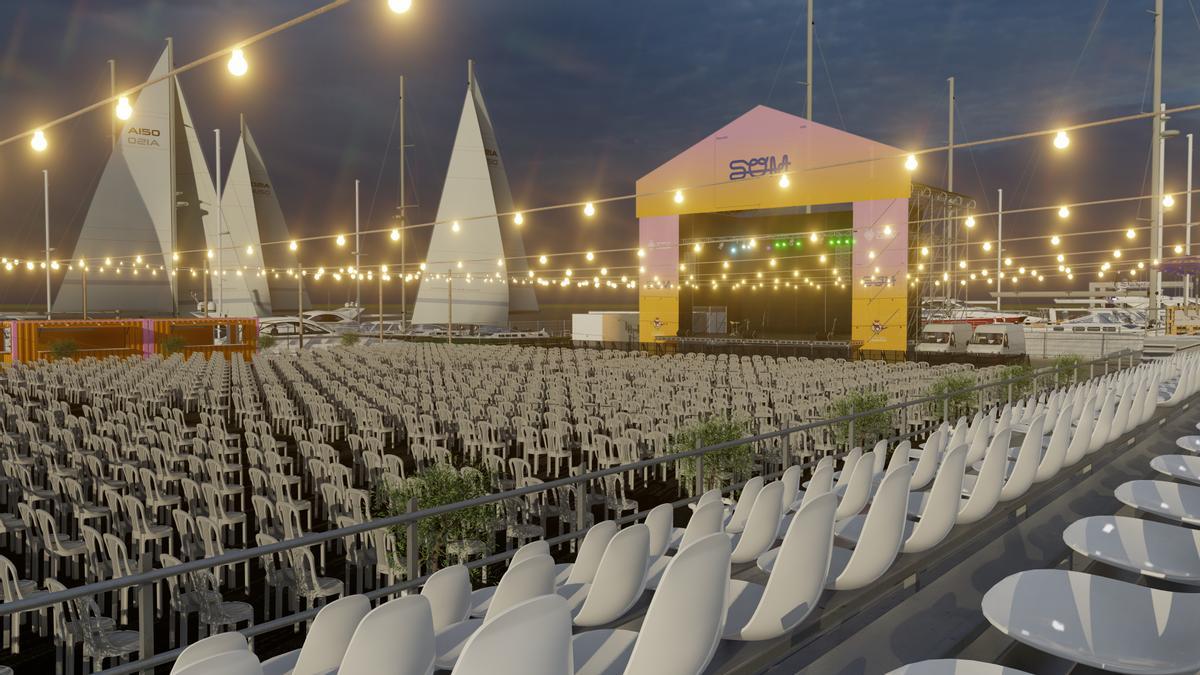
pixel 721 467
pixel 868 428
pixel 64 349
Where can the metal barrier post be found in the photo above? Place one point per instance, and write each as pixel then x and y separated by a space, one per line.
pixel 946 408
pixel 580 506
pixel 785 453
pixel 850 437
pixel 699 471
pixel 146 624
pixel 410 542
pixel 1010 393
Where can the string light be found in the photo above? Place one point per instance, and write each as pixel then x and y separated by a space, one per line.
pixel 518 219
pixel 341 240
pixel 679 196
pixel 1168 201
pixel 1063 212
pixel 123 110
pixel 541 259
pixel 1061 140
pixel 970 221
pixel 1055 241
pixel 783 181
pixel 589 210
pixel 399 6
pixel 910 163
pixel 38 142
pixel 237 63
pixel 590 256
pixel 293 245
pixel 455 227
pixel 1130 234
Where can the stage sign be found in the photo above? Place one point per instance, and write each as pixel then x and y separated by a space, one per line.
pixel 658 284
pixel 879 310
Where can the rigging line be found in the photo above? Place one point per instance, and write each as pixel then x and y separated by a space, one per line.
pixel 832 89
pixel 787 48
pixel 987 203
pixel 1194 15
pixel 383 162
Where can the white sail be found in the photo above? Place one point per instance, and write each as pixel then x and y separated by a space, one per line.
pixel 252 215
pixel 476 189
pixel 130 215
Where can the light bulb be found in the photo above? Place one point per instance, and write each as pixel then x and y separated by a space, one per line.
pixel 399 6
pixel 1168 201
pixel 1055 241
pixel 38 142
pixel 1008 262
pixel 237 63
pixel 783 181
pixel 293 245
pixel 970 221
pixel 697 247
pixel 679 196
pixel 590 256
pixel 341 240
pixel 589 210
pixel 124 111
pixel 1063 212
pixel 887 230
pixel 518 219
pixel 910 163
pixel 1178 249
pixel 1130 234
pixel 1061 140
pixel 455 227
pixel 395 234
pixel 987 245
pixel 925 251
pixel 542 259
pixel 641 253
pixel 1117 253
pixel 249 249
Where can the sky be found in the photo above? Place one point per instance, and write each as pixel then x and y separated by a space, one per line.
pixel 587 97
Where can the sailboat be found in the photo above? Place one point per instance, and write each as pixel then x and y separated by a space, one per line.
pixel 473 253
pixel 154 199
pixel 251 213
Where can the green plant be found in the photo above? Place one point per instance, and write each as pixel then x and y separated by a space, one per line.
pixel 867 428
pixel 174 344
pixel 952 388
pixel 349 339
pixel 64 349
pixel 721 466
pixel 266 341
pixel 1023 374
pixel 1066 369
pixel 436 486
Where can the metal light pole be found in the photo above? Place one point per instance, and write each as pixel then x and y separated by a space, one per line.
pixel 83 275
pixel 449 308
pixel 403 205
pixel 300 305
pixel 46 194
pixel 220 234
pixel 357 260
pixel 999 246
pixel 1187 231
pixel 381 269
pixel 1156 149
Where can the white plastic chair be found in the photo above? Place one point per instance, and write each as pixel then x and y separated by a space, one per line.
pixel 531 638
pixel 955 667
pixel 529 579
pixel 1155 550
pixel 326 640
pixel 682 626
pixel 741 510
pixel 758 612
pixel 762 528
pixel 1081 438
pixel 705 521
pixel 940 513
pixel 882 534
pixel 1099 622
pixel 659 521
pixel 482 597
pixel 396 637
pixel 857 492
pixel 240 662
pixel 449 593
pixel 619 582
pixel 208 647
pixel 984 492
pixel 587 558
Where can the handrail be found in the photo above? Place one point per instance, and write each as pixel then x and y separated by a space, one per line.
pixel 43 600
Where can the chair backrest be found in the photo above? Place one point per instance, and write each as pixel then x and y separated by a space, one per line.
pixel 791 485
pixel 763 526
pixel 1100 430
pixel 621 577
pixel 395 637
pixel 684 622
pixel 820 483
pixel 900 454
pixel 848 464
pixel 527 579
pixel 543 621
pixel 882 533
pixel 590 552
pixel 239 662
pixel 713 495
pixel 330 634
pixel 1056 449
pixel 745 503
pixel 706 520
pixel 858 490
pixel 880 456
pixel 1081 438
pixel 1028 458
pixel 208 647
pixel 798 576
pixel 533 548
pixel 941 509
pixel 449 593
pixel 659 521
pixel 990 481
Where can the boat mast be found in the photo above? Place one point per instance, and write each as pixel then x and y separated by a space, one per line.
pixel 174 195
pixel 400 208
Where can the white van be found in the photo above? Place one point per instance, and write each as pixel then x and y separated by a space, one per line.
pixel 944 338
pixel 998 339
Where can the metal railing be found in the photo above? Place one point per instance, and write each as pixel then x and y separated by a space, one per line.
pixel 145 579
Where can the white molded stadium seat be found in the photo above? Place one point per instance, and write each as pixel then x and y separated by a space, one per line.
pixel 619 583
pixel 705 521
pixel 396 637
pixel 209 647
pixel 327 639
pixel 531 638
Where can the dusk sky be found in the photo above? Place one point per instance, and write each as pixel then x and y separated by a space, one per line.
pixel 588 96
